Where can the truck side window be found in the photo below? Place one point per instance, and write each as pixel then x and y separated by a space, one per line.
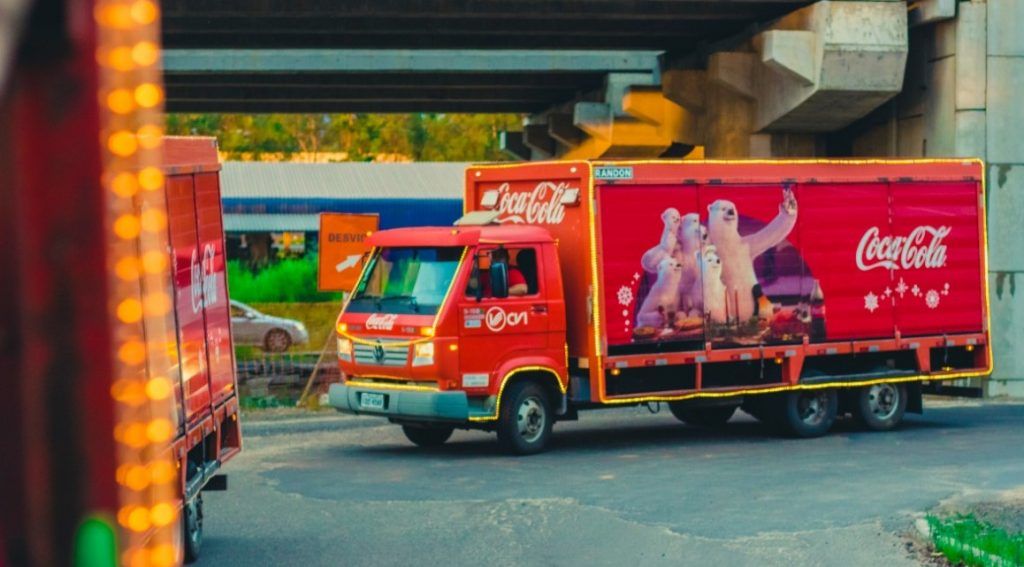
pixel 523 273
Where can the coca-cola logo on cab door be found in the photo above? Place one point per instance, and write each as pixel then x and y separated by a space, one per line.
pixel 922 248
pixel 542 205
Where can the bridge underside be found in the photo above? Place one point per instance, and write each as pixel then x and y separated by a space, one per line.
pixel 650 78
pixel 672 25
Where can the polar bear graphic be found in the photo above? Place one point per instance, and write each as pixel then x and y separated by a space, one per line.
pixel 651 259
pixel 663 299
pixel 691 237
pixel 738 252
pixel 711 287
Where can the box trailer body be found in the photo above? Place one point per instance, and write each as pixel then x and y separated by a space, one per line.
pixel 675 281
pixel 207 407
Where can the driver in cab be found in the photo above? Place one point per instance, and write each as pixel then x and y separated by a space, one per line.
pixel 516 281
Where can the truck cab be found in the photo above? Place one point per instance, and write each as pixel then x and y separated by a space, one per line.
pixel 457 327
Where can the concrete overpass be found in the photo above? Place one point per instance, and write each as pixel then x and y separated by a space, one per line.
pixel 652 78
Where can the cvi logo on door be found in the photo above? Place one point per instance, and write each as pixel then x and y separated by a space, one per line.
pixel 497 319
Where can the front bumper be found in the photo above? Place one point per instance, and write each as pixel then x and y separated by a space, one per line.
pixel 432 406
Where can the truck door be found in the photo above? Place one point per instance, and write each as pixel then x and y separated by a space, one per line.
pixel 496 329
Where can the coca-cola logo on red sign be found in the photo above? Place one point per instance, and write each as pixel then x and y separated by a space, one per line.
pixel 542 205
pixel 922 248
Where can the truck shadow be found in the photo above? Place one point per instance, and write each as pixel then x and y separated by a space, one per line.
pixel 588 438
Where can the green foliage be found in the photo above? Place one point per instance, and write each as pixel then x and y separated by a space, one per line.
pixel 290 280
pixel 966 540
pixel 363 137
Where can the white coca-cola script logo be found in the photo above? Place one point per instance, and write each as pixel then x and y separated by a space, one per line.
pixel 922 248
pixel 203 281
pixel 381 322
pixel 543 205
pixel 497 319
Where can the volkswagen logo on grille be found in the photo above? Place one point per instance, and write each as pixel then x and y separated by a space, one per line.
pixel 378 352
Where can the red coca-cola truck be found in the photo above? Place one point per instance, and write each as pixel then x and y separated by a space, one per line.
pixel 797 290
pixel 206 408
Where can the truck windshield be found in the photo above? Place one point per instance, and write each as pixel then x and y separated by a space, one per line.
pixel 406 281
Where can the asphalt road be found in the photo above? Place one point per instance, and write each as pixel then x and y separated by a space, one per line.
pixel 619 487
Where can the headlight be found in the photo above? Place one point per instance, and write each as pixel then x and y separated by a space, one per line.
pixel 423 354
pixel 345 350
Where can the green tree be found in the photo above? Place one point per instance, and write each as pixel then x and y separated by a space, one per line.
pixel 364 137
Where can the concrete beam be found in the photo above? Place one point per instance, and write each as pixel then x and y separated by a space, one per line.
pixel 791 52
pixel 406 60
pixel 561 128
pixel 512 144
pixel 536 137
pixel 924 12
pixel 734 71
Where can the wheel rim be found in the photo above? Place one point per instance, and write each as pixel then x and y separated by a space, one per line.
pixel 883 400
pixel 812 407
pixel 278 341
pixel 531 419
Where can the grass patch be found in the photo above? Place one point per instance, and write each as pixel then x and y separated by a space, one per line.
pixel 967 540
pixel 319 319
pixel 290 280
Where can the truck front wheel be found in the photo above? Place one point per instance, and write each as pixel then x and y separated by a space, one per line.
pixel 880 407
pixel 427 435
pixel 809 413
pixel 192 527
pixel 525 419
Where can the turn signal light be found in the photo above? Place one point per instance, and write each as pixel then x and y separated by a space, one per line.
pixel 342 327
pixel 427 331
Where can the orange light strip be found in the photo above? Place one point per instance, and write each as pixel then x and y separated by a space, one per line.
pixel 131 104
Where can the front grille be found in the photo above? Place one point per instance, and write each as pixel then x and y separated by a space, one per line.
pixel 382 355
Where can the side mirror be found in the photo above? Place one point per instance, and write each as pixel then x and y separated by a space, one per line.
pixel 499 279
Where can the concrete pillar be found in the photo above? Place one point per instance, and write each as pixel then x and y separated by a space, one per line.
pixel 962 98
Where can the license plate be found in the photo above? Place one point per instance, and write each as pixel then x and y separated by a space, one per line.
pixel 369 400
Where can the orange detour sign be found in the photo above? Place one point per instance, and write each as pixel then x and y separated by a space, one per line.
pixel 342 248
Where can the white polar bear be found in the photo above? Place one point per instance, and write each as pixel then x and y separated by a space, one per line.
pixel 691 237
pixel 712 288
pixel 651 259
pixel 663 299
pixel 738 252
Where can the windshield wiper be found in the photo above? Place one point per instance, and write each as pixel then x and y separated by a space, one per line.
pixel 410 298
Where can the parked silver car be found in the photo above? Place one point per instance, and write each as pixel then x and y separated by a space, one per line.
pixel 274 334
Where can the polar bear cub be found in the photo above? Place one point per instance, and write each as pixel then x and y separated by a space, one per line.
pixel 712 288
pixel 663 299
pixel 669 241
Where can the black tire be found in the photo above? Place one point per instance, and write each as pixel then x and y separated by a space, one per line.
pixel 525 420
pixel 706 416
pixel 427 435
pixel 881 407
pixel 192 528
pixel 808 413
pixel 277 340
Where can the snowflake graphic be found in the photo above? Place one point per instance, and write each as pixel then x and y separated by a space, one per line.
pixel 916 291
pixel 636 276
pixel 932 299
pixel 945 289
pixel 901 288
pixel 887 292
pixel 871 301
pixel 625 295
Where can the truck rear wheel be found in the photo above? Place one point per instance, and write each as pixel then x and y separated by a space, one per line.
pixel 880 407
pixel 427 435
pixel 808 413
pixel 192 527
pixel 706 416
pixel 525 419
